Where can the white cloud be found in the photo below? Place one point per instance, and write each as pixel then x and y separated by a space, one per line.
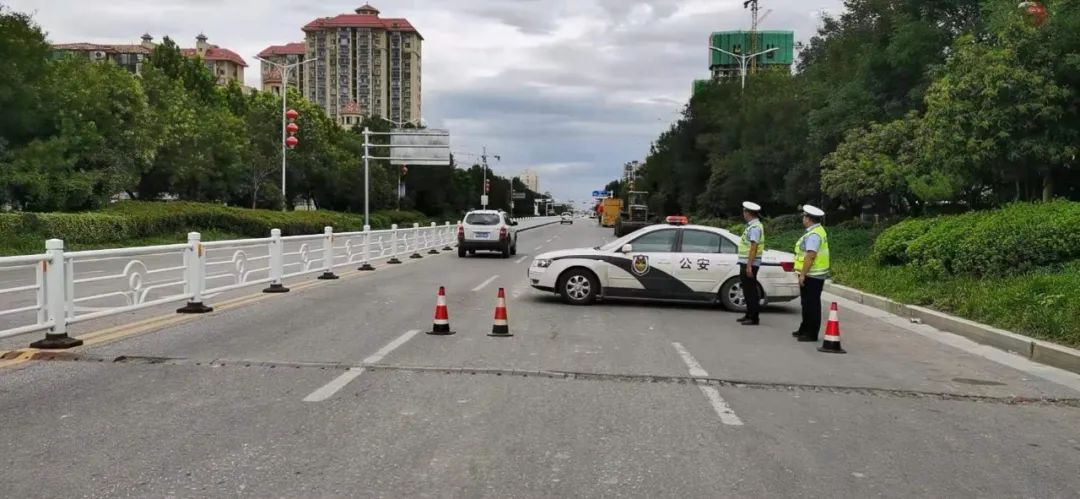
pixel 570 88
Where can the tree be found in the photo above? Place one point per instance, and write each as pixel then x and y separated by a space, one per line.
pixel 92 139
pixel 23 66
pixel 991 120
pixel 873 163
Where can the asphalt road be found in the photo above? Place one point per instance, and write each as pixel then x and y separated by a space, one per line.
pixel 334 391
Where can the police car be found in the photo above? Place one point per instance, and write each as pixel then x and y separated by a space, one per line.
pixel 672 261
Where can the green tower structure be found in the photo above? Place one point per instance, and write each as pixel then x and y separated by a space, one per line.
pixel 741 42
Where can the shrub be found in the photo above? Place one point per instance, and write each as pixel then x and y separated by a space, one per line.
pixel 891 246
pixel 791 221
pixel 1014 239
pixel 130 220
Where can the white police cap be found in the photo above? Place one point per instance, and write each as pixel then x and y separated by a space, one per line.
pixel 813 211
pixel 751 206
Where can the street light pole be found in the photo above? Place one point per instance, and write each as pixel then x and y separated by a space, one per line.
pixel 743 60
pixel 284 97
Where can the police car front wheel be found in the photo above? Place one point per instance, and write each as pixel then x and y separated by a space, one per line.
pixel 578 287
pixel 732 297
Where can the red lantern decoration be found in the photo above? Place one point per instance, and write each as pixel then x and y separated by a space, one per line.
pixel 291 114
pixel 292 128
pixel 292 142
pixel 1037 11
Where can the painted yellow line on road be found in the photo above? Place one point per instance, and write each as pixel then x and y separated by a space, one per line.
pixel 22 357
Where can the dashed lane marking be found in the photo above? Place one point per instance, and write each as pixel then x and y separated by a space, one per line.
pixel 335 385
pixel 328 390
pixel 727 415
pixel 538 247
pixel 522 259
pixel 390 347
pixel 485 283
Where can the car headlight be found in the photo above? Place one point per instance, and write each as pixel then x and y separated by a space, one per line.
pixel 541 263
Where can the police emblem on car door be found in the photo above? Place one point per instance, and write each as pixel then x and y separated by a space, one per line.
pixel 641 264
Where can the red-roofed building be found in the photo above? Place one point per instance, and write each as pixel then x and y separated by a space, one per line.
pixel 290 53
pixel 363 62
pixel 223 63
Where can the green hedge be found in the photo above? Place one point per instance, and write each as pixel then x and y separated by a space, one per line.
pixel 134 220
pixel 1014 239
pixel 891 246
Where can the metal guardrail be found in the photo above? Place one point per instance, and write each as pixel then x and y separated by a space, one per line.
pixel 58 288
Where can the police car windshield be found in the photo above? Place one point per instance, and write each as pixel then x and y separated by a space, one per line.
pixel 482 219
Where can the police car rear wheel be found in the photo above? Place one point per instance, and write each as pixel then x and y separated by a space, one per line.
pixel 578 287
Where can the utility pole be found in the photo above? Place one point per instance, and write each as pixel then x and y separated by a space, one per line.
pixel 483 185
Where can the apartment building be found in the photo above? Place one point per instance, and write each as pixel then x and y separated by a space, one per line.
pixel 364 65
pixel 531 179
pixel 223 63
pixel 290 53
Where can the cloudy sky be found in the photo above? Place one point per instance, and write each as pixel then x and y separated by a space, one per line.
pixel 570 88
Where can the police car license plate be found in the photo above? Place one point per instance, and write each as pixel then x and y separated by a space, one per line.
pixel 481 235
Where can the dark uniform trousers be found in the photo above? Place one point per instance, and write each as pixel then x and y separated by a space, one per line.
pixel 750 291
pixel 810 294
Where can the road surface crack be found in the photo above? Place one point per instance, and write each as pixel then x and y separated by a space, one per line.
pixel 573 375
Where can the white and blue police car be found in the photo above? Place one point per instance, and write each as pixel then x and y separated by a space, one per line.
pixel 665 262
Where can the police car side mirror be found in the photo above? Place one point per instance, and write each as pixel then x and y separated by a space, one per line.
pixel 626 248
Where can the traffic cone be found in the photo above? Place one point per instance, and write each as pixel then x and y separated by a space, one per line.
pixel 501 328
pixel 832 333
pixel 441 324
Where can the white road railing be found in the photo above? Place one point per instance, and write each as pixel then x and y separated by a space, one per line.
pixel 58 288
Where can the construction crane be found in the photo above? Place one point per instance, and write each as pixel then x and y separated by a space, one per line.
pixel 756 19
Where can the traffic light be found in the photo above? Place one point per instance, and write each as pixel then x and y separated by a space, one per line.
pixel 487 186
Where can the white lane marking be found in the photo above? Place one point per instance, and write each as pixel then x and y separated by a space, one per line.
pixel 727 415
pixel 390 347
pixel 538 247
pixel 328 390
pixel 695 369
pixel 522 259
pixel 549 240
pixel 485 283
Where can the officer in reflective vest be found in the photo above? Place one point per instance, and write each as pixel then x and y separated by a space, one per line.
pixel 751 247
pixel 812 264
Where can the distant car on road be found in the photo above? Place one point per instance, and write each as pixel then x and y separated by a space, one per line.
pixel 666 263
pixel 566 218
pixel 487 230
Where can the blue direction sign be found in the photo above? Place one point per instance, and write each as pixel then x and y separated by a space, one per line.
pixel 600 194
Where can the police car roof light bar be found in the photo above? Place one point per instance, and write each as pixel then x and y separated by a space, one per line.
pixel 677 220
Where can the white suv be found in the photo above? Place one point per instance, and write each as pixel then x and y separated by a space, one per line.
pixel 489 230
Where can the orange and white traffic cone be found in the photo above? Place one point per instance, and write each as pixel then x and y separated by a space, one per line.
pixel 441 324
pixel 832 333
pixel 501 328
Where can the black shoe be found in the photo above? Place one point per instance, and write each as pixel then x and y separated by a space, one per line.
pixel 796 334
pixel 751 322
pixel 742 319
pixel 806 339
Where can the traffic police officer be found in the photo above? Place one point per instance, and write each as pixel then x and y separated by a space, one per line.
pixel 812 264
pixel 751 247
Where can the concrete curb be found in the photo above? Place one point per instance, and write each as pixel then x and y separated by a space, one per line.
pixel 1036 350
